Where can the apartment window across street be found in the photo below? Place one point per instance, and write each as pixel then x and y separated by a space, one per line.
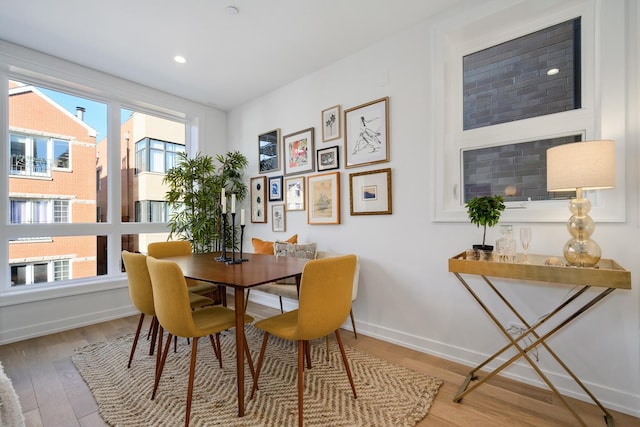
pixel 153 155
pixel 39 272
pixel 39 211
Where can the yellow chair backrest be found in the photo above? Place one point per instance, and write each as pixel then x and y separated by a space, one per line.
pixel 171 297
pixel 140 289
pixel 325 295
pixel 170 248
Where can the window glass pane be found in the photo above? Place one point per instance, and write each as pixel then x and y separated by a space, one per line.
pixel 44 260
pixel 18 211
pixel 516 171
pixel 155 141
pixel 61 154
pixel 61 211
pixel 530 76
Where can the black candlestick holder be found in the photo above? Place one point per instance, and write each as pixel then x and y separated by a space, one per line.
pixel 233 259
pixel 223 257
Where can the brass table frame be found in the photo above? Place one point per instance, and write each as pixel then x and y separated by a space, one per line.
pixel 608 275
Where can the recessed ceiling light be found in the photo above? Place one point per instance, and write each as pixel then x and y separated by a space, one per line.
pixel 553 72
pixel 232 10
pixel 180 59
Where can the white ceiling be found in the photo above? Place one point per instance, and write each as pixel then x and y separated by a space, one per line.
pixel 230 59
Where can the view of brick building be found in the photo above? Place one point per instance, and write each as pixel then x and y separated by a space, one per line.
pixel 51 180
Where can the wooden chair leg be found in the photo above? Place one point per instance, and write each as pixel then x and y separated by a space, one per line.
pixel 135 339
pixel 353 323
pixel 216 348
pixel 160 367
pixel 346 363
pixel 160 334
pixel 281 309
pixel 248 353
pixel 301 352
pixel 307 353
pixel 192 372
pixel 154 334
pixel 328 347
pixel 265 338
pixel 246 300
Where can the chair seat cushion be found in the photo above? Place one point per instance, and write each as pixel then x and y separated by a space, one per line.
pixel 211 320
pixel 282 326
pixel 199 300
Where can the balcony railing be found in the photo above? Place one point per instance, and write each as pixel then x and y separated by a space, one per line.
pixel 30 166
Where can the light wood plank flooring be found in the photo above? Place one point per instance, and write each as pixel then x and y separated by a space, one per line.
pixel 52 393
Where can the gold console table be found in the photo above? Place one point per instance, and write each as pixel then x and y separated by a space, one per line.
pixel 607 276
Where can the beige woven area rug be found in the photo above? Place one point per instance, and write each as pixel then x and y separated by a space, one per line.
pixel 388 395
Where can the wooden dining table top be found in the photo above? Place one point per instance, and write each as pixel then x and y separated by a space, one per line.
pixel 257 270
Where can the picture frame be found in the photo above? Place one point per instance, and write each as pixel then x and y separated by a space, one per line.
pixel 275 188
pixel 323 198
pixel 327 159
pixel 299 152
pixel 366 133
pixel 370 192
pixel 278 218
pixel 294 194
pixel 269 151
pixel 331 123
pixel 258 199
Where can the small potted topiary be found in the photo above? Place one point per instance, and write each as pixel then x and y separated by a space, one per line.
pixel 485 211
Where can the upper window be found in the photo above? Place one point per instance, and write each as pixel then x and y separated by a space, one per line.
pixel 530 76
pixel 153 155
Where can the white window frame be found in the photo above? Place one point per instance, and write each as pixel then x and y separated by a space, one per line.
pixel 201 123
pixel 598 118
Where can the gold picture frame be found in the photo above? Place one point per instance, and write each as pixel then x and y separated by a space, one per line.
pixel 366 133
pixel 370 192
pixel 331 125
pixel 323 198
pixel 299 153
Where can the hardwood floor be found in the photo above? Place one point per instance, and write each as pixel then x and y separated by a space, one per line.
pixel 52 393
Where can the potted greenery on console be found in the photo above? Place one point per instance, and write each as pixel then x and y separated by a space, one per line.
pixel 194 197
pixel 485 211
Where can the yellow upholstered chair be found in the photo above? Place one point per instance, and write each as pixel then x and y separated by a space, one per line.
pixel 183 247
pixel 287 288
pixel 324 304
pixel 141 294
pixel 171 300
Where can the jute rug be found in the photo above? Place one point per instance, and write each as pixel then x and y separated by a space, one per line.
pixel 388 395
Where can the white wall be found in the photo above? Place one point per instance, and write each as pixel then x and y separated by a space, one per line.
pixel 407 295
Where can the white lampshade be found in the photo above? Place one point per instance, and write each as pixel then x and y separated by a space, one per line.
pixel 588 165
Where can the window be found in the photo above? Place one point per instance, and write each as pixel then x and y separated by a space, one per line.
pixel 39 272
pixel 502 103
pixel 38 211
pixel 151 211
pixel 153 155
pixel 63 222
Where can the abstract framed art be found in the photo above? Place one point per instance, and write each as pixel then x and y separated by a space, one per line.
pixel 275 188
pixel 370 192
pixel 366 133
pixel 299 152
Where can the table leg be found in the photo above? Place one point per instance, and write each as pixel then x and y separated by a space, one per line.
pixel 239 308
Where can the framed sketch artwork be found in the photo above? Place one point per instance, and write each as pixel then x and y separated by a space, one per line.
pixel 323 194
pixel 269 151
pixel 258 199
pixel 299 152
pixel 331 123
pixel 366 133
pixel 275 188
pixel 370 192
pixel 278 220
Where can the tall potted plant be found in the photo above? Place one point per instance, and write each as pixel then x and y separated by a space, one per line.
pixel 485 211
pixel 194 191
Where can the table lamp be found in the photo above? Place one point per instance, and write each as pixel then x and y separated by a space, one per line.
pixel 581 166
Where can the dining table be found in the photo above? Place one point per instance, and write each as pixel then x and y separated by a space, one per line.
pixel 254 270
